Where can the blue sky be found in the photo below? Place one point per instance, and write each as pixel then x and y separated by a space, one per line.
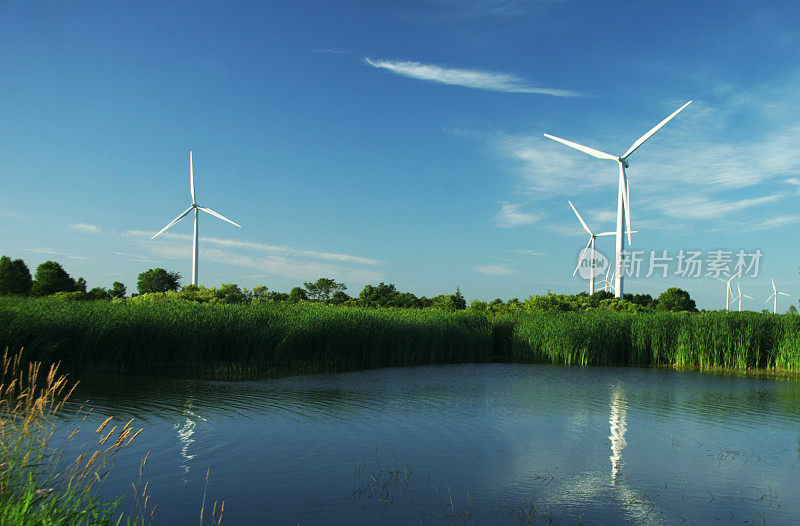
pixel 398 142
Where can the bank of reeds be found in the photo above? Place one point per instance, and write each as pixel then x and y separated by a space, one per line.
pixel 38 485
pixel 276 338
pixel 710 340
pixel 270 338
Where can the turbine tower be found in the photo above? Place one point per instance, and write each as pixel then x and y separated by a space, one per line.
pixel 740 296
pixel 590 244
pixel 623 197
pixel 197 208
pixel 774 297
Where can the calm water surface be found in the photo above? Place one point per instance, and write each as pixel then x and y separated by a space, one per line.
pixel 468 444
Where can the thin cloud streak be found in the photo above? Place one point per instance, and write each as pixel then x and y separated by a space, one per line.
pixel 51 252
pixel 273 265
pixel 285 251
pixel 509 216
pixel 89 229
pixel 468 78
pixel 700 207
pixel 494 270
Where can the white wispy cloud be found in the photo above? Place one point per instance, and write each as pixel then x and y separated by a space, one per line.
pixel 89 229
pixel 250 245
pixel 136 257
pixel 775 222
pixel 51 252
pixel 510 216
pixel 332 51
pixel 469 78
pixel 494 270
pixel 702 207
pixel 794 181
pixel 290 268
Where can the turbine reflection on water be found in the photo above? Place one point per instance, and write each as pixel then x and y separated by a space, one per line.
pixel 618 426
pixel 186 433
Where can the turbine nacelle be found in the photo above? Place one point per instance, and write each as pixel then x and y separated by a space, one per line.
pixel 624 162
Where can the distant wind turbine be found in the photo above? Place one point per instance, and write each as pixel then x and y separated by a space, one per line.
pixel 774 297
pixel 728 290
pixel 605 282
pixel 740 296
pixel 197 208
pixel 590 244
pixel 623 194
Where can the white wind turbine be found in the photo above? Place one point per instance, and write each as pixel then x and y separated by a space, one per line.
pixel 589 245
pixel 774 297
pixel 623 197
pixel 729 290
pixel 740 296
pixel 606 284
pixel 197 208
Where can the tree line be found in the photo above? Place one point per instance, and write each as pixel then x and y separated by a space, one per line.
pixel 50 279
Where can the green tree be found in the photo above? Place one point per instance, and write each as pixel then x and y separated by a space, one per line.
pixel 15 278
pixel 51 278
pixel 260 292
pixel 451 302
pixel 675 299
pixel 323 289
pixel 229 293
pixel 158 280
pixel 98 293
pixel 338 298
pixel 297 294
pixel 118 290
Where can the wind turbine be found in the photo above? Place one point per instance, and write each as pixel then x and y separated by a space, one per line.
pixel 774 297
pixel 605 283
pixel 592 237
pixel 739 297
pixel 729 290
pixel 197 208
pixel 623 194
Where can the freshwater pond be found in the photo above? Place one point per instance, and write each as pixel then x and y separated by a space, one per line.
pixel 462 444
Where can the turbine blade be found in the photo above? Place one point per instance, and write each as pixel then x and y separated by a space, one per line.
pixel 606 234
pixel 585 226
pixel 746 296
pixel 784 294
pixel 773 285
pixel 191 178
pixel 766 300
pixel 649 134
pixel 215 214
pixel 580 258
pixel 584 149
pixel 174 221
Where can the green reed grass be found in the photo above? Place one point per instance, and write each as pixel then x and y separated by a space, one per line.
pixel 711 340
pixel 274 338
pixel 277 337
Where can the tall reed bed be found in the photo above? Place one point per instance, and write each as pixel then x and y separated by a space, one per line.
pixel 267 338
pixel 730 340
